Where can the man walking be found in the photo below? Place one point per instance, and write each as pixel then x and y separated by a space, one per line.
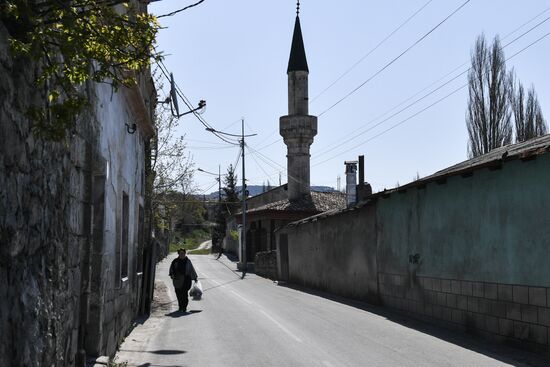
pixel 182 273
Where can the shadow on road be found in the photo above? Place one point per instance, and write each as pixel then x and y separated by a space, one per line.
pixel 176 314
pixel 509 354
pixel 167 352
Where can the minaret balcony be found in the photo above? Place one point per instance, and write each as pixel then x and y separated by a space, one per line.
pixel 297 126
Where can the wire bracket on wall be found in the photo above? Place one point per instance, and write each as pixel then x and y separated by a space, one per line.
pixel 174 101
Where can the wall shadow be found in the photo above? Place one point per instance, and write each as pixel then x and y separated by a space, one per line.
pixel 509 354
pixel 167 352
pixel 177 314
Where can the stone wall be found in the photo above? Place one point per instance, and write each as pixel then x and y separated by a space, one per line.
pixel 265 264
pixel 43 205
pixel 70 289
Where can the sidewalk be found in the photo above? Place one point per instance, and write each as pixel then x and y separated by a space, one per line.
pixel 164 304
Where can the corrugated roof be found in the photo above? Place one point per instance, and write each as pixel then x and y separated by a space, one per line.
pixel 526 150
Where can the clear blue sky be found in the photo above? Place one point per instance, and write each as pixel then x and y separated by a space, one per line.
pixel 234 55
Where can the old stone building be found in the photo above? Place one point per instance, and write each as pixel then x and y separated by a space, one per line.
pixel 76 262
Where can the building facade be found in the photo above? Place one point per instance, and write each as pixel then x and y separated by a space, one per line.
pixel 76 261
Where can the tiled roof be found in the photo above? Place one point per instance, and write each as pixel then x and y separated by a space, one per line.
pixel 318 202
pixel 525 150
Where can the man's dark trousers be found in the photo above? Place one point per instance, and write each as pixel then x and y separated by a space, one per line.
pixel 182 293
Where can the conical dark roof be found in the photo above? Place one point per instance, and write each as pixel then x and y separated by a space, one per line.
pixel 297 60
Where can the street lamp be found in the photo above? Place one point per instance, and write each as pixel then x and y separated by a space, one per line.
pixel 219 179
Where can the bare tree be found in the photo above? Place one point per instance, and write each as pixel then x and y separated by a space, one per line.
pixel 172 170
pixel 488 116
pixel 528 118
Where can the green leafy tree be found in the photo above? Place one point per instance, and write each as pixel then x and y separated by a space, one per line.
pixel 231 196
pixel 74 42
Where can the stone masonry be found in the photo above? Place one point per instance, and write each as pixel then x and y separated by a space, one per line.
pixel 43 205
pixel 72 239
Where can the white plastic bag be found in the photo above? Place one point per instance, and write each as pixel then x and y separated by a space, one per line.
pixel 196 291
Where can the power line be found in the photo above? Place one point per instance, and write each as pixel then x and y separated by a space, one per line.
pixel 180 10
pixel 164 70
pixel 524 24
pixel 266 158
pixel 257 163
pixel 395 59
pixel 372 50
pixel 358 132
pixel 426 108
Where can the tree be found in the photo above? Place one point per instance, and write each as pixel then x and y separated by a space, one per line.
pixel 528 118
pixel 231 196
pixel 171 174
pixel 226 208
pixel 77 41
pixel 488 116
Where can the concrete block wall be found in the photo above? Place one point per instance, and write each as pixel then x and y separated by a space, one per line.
pixel 517 314
pixel 470 251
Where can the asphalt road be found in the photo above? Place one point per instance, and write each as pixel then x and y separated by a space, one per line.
pixel 256 322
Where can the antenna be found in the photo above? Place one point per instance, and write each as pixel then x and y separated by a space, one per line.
pixel 174 95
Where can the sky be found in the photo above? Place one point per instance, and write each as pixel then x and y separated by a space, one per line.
pixel 234 55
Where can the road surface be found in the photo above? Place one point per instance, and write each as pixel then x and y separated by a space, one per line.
pixel 256 322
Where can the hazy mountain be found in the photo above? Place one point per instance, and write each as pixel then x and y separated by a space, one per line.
pixel 258 189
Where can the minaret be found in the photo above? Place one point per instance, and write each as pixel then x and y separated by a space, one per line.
pixel 298 128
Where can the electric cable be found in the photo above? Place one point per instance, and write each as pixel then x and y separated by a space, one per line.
pixel 358 132
pixel 372 50
pixel 394 59
pixel 428 107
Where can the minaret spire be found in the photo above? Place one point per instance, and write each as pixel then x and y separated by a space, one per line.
pixel 298 128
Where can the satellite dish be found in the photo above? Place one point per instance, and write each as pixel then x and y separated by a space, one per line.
pixel 174 95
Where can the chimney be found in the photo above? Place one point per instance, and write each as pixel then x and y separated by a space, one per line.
pixel 361 170
pixel 351 182
pixel 364 189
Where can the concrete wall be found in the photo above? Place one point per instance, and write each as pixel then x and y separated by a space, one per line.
pixel 470 252
pixel 336 254
pixel 489 227
pixel 271 196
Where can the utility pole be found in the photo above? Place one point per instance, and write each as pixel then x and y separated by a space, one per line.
pixel 243 232
pixel 219 183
